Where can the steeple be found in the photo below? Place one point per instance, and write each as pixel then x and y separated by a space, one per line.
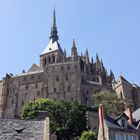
pixel 74 54
pixel 97 58
pixel 87 57
pixel 54 35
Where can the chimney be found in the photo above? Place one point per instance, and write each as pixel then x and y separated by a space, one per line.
pixel 101 120
pixel 128 112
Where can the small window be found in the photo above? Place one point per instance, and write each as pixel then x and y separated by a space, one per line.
pixel 69 88
pixel 36 85
pixel 75 66
pixel 38 93
pixel 25 79
pixel 54 89
pixel 32 77
pixel 22 102
pixel 66 78
pixel 49 59
pixel 62 68
pixel 57 78
pixel 39 77
pixel 12 101
pixel 68 67
pixel 26 87
pixel 45 61
pixel 53 59
pixel 26 94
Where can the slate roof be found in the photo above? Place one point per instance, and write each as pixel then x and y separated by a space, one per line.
pixel 136 115
pixel 52 46
pixel 113 123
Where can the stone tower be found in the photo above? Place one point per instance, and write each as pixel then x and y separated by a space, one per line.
pixel 53 53
pixel 74 54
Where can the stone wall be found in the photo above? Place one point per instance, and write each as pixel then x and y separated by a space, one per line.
pixel 13 129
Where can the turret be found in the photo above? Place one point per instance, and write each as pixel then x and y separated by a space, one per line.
pixel 112 77
pixel 98 64
pixel 74 54
pixel 86 57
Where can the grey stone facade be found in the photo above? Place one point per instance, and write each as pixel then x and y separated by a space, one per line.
pixel 57 77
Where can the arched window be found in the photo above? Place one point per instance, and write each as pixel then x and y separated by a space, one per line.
pixel 53 58
pixel 44 62
pixel 49 59
pixel 121 95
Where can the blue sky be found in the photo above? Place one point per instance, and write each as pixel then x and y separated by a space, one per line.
pixel 109 27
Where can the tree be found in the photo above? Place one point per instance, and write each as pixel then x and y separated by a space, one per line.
pixel 67 119
pixel 88 135
pixel 112 104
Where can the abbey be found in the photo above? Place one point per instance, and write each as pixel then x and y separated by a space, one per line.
pixel 61 77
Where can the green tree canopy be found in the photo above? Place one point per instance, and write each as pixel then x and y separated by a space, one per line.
pixel 112 104
pixel 88 135
pixel 67 119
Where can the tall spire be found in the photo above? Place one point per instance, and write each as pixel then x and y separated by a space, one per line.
pixel 74 54
pixel 54 18
pixel 86 56
pixel 54 35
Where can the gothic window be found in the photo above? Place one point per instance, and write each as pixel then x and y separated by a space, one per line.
pixel 26 87
pixel 69 88
pixel 54 89
pixel 68 67
pixel 39 77
pixel 49 59
pixel 44 62
pixel 38 93
pixel 26 94
pixel 121 95
pixel 12 101
pixel 66 78
pixel 22 102
pixel 62 68
pixel 25 79
pixel 32 77
pixel 36 85
pixel 53 58
pixel 57 78
pixel 75 66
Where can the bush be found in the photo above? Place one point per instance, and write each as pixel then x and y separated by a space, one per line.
pixel 67 119
pixel 88 135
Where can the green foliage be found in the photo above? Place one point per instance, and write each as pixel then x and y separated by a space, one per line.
pixel 112 104
pixel 67 119
pixel 88 135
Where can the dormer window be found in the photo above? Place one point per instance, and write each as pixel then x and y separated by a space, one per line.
pixel 50 49
pixel 124 122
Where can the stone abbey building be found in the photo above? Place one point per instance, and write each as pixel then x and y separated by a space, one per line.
pixel 61 77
